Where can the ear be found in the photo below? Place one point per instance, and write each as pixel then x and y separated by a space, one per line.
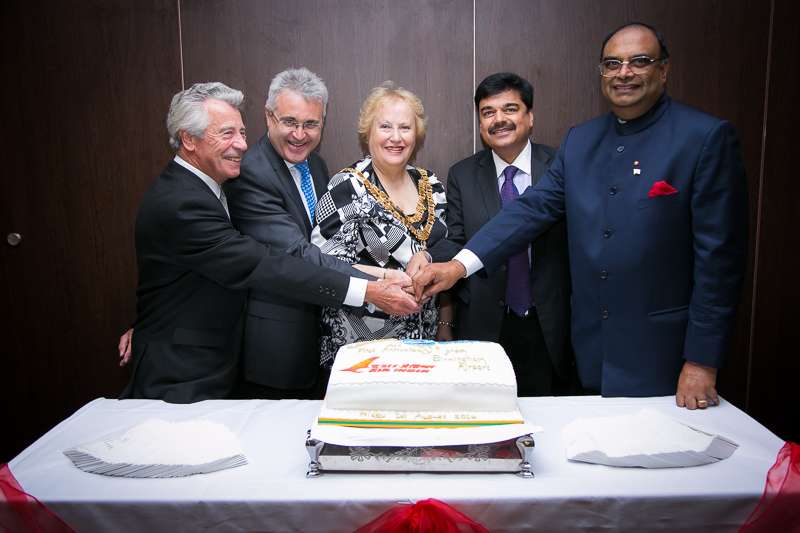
pixel 188 141
pixel 530 118
pixel 664 72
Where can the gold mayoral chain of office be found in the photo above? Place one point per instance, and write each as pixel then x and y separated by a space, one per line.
pixel 425 203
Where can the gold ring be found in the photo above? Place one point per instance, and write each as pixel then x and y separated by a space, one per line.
pixel 702 403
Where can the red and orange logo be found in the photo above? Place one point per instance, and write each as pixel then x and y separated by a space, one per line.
pixel 369 365
pixel 361 365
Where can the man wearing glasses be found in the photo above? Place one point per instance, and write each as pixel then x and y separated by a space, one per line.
pixel 273 201
pixel 654 195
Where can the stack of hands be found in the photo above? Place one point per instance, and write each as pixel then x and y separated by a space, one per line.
pixel 402 292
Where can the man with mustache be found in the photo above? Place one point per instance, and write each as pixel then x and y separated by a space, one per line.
pixel 195 268
pixel 655 199
pixel 525 304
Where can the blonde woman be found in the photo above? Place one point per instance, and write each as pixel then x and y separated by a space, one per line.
pixel 379 214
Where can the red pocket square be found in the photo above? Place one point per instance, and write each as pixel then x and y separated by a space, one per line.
pixel 661 188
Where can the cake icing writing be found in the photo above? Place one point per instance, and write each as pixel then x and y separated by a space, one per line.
pixel 393 383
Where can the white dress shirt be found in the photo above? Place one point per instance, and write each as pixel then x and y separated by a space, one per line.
pixel 522 180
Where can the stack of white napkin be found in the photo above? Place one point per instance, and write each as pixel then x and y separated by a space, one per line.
pixel 158 448
pixel 647 439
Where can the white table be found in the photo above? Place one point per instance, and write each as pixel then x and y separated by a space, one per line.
pixel 271 493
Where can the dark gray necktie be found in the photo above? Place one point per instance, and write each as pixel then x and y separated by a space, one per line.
pixel 224 201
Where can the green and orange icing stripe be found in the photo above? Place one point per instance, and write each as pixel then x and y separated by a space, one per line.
pixel 413 424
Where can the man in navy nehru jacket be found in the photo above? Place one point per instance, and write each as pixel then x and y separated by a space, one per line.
pixel 654 195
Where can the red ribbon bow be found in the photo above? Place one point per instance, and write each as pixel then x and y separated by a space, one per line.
pixel 19 511
pixel 777 510
pixel 425 516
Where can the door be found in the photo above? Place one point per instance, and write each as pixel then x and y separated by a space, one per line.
pixel 85 96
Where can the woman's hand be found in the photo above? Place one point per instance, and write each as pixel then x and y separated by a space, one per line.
pixel 418 260
pixel 397 276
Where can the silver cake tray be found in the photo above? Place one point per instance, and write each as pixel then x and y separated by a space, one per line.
pixel 513 455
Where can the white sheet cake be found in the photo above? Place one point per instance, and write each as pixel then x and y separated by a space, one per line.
pixel 421 384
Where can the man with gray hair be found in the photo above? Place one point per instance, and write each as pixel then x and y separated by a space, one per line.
pixel 273 201
pixel 195 268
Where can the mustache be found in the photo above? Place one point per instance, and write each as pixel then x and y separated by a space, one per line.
pixel 502 125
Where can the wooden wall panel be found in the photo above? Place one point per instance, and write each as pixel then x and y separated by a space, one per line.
pixel 776 335
pixel 84 128
pixel 424 45
pixel 553 45
pixel 718 51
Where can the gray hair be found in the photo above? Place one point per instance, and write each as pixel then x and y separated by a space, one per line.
pixel 187 111
pixel 300 80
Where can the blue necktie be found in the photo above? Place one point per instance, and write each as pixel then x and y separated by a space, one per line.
pixel 518 288
pixel 307 186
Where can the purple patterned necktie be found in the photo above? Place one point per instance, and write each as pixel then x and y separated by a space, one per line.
pixel 518 287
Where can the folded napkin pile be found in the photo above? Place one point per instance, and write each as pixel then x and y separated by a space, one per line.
pixel 647 439
pixel 158 448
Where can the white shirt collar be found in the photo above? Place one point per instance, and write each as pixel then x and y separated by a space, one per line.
pixel 208 180
pixel 522 162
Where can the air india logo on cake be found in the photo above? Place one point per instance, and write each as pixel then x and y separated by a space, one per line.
pixel 369 365
pixel 361 365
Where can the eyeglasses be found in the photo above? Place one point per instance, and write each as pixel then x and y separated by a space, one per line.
pixel 638 65
pixel 290 123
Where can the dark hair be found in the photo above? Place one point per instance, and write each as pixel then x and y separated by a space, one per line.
pixel 659 37
pixel 502 82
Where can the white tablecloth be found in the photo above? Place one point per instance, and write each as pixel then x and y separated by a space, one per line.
pixel 271 493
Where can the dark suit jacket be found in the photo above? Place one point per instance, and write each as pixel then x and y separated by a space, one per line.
pixel 473 198
pixel 281 336
pixel 194 272
pixel 656 277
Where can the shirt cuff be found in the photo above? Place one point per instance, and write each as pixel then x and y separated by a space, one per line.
pixel 470 261
pixel 356 292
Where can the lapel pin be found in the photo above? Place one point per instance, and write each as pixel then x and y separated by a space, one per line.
pixel 636 169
